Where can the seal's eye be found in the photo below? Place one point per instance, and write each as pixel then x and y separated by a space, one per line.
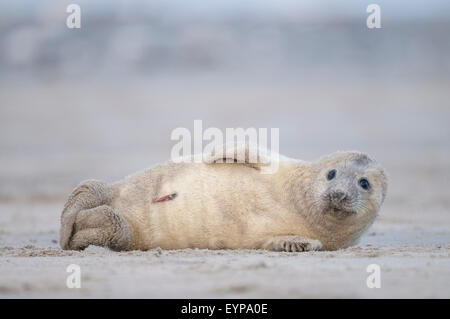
pixel 331 174
pixel 364 183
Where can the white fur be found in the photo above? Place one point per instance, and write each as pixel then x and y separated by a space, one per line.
pixel 228 206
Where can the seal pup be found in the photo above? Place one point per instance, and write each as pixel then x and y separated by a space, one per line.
pixel 325 204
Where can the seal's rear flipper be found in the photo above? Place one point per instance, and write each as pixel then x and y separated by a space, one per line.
pixel 88 194
pixel 101 226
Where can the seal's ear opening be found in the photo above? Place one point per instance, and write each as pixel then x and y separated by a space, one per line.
pixel 383 182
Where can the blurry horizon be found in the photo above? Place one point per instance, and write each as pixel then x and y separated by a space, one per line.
pixel 306 42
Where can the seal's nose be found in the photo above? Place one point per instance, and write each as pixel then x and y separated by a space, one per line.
pixel 338 196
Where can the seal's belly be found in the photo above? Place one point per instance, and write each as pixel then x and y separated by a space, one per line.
pixel 216 206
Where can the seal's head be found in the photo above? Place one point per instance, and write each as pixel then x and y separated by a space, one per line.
pixel 339 196
pixel 348 184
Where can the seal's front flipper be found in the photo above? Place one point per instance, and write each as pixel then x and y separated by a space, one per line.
pixel 292 244
pixel 241 153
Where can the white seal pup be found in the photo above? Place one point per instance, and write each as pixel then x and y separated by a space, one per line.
pixel 326 204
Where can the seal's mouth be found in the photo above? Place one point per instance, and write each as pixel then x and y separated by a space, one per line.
pixel 340 212
pixel 339 204
pixel 343 211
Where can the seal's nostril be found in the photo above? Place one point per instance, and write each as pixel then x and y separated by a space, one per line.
pixel 338 196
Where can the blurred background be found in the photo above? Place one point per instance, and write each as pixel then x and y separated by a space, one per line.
pixel 101 101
